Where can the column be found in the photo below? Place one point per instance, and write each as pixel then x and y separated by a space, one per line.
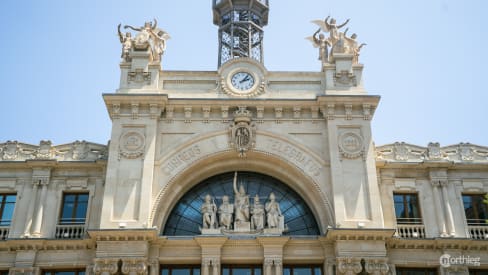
pixel 205 266
pixel 37 221
pixel 215 266
pixel 278 263
pixel 30 210
pixel 438 207
pixel 268 266
pixel 449 218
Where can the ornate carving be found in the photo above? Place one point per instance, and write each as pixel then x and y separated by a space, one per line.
pixel 376 266
pixel 105 266
pixel 330 111
pixel 10 150
pixel 278 114
pixel 116 110
pixel 132 145
pixel 226 210
pixel 349 266
pixel 351 145
pixel 169 114
pixel 242 132
pixel 346 78
pixel 401 151
pixel 135 110
pixel 366 112
pixel 188 111
pixel 315 112
pixel 260 114
pixel 297 112
pixel 257 214
pixel 134 266
pixel 45 151
pixel 348 111
pixel 139 76
pixel 466 152
pixel 434 151
pixel 206 113
pixel 79 150
pixel 225 113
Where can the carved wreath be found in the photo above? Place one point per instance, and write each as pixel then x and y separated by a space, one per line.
pixel 132 145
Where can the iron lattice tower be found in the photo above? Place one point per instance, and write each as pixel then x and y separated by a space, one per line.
pixel 241 25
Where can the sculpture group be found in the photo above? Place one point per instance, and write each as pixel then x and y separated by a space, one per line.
pixel 338 42
pixel 149 38
pixel 240 216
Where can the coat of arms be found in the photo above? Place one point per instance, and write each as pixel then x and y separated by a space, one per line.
pixel 242 132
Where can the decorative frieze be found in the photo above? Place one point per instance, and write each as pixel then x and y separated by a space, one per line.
pixel 115 110
pixel 404 152
pixel 188 113
pixel 154 111
pixel 139 76
pixel 206 113
pixel 348 111
pixel 366 111
pixel 330 111
pixel 169 114
pixel 259 114
pixel 225 113
pixel 135 110
pixel 278 114
pixel 297 113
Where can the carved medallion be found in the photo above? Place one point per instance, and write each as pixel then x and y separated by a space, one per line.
pixel 401 151
pixel 351 145
pixel 434 151
pixel 79 150
pixel 242 132
pixel 132 145
pixel 466 152
pixel 45 151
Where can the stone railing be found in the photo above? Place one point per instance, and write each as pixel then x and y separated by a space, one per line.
pixel 4 230
pixel 410 231
pixel 76 231
pixel 478 232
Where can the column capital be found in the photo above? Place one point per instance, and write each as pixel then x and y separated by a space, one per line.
pixel 348 265
pixel 105 266
pixel 134 266
pixel 377 266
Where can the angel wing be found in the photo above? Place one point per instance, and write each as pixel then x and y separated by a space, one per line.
pixel 321 24
pixel 310 38
pixel 162 34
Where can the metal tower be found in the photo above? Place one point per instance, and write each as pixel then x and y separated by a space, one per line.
pixel 241 25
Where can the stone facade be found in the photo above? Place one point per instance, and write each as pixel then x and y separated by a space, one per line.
pixel 173 129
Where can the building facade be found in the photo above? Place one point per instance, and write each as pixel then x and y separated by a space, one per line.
pixel 242 171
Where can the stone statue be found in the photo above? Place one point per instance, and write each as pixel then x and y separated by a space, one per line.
pixel 331 27
pixel 209 213
pixel 241 202
pixel 319 41
pixel 257 211
pixel 225 213
pixel 273 212
pixel 352 46
pixel 126 40
pixel 150 36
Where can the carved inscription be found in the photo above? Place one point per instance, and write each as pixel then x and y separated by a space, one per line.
pixel 295 155
pixel 187 156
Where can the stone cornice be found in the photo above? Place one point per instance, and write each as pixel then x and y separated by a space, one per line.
pixel 438 243
pixel 123 234
pixel 28 244
pixel 350 234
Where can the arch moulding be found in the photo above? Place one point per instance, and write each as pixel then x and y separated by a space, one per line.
pixel 277 156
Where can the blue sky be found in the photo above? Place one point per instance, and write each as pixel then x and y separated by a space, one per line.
pixel 427 59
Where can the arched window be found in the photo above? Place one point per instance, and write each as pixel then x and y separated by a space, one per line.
pixel 185 218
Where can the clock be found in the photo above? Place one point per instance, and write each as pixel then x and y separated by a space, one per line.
pixel 242 81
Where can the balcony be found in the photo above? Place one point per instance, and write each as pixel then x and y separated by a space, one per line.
pixel 70 231
pixel 410 231
pixel 478 232
pixel 4 230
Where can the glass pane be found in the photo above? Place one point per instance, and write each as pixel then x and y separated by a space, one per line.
pixel 225 271
pixel 257 271
pixel 241 271
pixel 67 210
pixel 65 273
pixel 81 212
pixel 180 271
pixel 10 198
pixel 164 271
pixel 318 271
pixel 196 271
pixel 302 271
pixel 286 271
pixel 7 214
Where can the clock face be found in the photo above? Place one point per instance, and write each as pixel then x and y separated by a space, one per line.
pixel 242 81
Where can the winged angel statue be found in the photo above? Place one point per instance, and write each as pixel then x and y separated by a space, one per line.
pixel 148 36
pixel 337 41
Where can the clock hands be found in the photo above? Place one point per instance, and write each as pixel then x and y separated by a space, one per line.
pixel 246 78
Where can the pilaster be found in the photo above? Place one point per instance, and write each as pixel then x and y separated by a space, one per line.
pixel 211 253
pixel 273 254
